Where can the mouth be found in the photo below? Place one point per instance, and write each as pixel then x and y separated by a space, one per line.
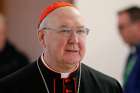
pixel 73 51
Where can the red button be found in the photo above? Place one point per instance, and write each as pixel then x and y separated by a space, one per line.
pixel 68 91
pixel 67 80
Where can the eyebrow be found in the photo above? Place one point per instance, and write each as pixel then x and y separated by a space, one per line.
pixel 80 26
pixel 63 26
pixel 66 26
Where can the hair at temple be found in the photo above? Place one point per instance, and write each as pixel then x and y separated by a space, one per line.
pixel 133 12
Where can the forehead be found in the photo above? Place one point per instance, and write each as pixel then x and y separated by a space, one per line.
pixel 65 16
pixel 124 18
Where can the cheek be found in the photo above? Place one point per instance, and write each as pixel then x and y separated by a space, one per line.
pixel 137 34
pixel 126 34
pixel 82 46
pixel 130 35
pixel 2 41
pixel 60 45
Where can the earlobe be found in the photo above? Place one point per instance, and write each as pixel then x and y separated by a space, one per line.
pixel 41 36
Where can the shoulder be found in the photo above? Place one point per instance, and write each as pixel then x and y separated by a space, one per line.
pixel 15 52
pixel 19 76
pixel 25 80
pixel 96 74
pixel 102 80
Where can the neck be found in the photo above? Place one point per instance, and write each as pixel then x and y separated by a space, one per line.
pixel 59 68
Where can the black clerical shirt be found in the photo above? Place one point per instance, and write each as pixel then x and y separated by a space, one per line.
pixel 29 80
pixel 57 84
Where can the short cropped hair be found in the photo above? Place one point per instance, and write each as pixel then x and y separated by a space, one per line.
pixel 133 12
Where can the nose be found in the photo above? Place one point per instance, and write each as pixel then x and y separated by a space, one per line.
pixel 73 38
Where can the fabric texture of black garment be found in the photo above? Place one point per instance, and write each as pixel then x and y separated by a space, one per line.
pixel 29 80
pixel 11 60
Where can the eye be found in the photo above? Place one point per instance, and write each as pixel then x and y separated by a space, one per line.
pixel 81 31
pixel 65 30
pixel 84 31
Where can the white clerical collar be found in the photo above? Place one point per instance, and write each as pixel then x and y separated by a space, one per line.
pixel 63 75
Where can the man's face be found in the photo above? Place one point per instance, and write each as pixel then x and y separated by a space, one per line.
pixel 62 47
pixel 130 31
pixel 3 33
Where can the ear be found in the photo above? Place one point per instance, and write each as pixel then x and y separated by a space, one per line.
pixel 41 37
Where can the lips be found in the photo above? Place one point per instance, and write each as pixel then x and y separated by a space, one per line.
pixel 71 50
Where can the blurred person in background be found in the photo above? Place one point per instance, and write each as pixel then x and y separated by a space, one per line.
pixel 129 27
pixel 10 58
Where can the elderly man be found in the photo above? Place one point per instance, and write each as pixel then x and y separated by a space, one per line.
pixel 10 58
pixel 129 26
pixel 62 34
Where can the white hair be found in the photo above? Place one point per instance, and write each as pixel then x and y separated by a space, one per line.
pixel 43 24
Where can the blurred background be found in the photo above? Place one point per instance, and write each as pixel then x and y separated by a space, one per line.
pixel 106 51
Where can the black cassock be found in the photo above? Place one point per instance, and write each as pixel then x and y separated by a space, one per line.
pixel 29 80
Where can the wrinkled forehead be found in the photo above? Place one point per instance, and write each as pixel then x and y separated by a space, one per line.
pixel 63 16
pixel 124 18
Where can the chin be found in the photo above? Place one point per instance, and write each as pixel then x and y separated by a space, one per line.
pixel 71 61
